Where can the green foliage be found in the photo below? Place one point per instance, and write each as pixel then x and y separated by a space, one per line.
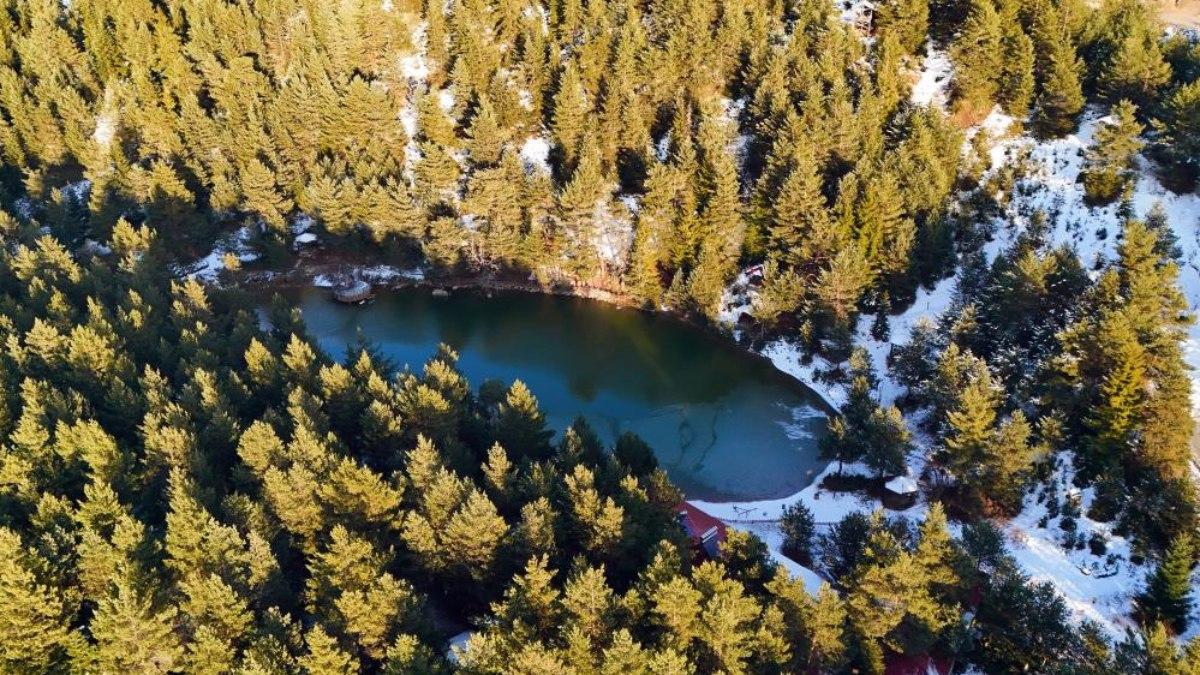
pixel 866 432
pixel 798 528
pixel 1168 594
pixel 1109 163
pixel 979 55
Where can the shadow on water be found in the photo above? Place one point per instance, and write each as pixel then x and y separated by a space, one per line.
pixel 724 424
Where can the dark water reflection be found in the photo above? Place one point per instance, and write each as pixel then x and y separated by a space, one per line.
pixel 723 424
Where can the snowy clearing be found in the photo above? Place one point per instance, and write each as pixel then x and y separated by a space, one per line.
pixel 933 84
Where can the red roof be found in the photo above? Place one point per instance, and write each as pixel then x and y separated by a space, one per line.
pixel 897 664
pixel 706 532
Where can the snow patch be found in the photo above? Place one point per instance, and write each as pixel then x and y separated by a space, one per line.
pixel 614 235
pixel 933 85
pixel 208 269
pixel 1099 588
pixel 535 154
pixel 106 128
pixel 302 223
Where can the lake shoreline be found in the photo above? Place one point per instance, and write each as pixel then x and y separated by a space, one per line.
pixel 307 271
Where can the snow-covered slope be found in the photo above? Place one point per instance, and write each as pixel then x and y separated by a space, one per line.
pixel 1052 186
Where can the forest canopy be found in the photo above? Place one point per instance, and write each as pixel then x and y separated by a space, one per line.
pixel 184 488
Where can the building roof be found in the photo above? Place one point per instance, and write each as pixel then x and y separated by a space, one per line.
pixel 706 532
pixel 902 485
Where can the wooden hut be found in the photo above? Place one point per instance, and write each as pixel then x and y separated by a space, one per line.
pixel 900 493
pixel 354 292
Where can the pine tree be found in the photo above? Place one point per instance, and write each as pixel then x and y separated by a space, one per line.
pixel 590 603
pixel 865 431
pixel 1017 74
pixel 884 231
pixel 1148 283
pixel 1179 126
pixel 570 110
pixel 578 206
pixel 1168 594
pixel 34 627
pixel 1109 163
pixel 841 284
pixel 521 425
pixel 324 657
pixel 978 55
pixel 1120 392
pixel 262 196
pixel 1009 460
pixel 473 534
pixel 1136 70
pixel 800 228
pixel 132 636
pixel 1060 98
pixel 968 435
pixel 890 602
pixel 796 523
pixel 907 20
pixel 485 137
pixel 530 608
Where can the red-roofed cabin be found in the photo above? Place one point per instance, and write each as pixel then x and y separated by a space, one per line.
pixel 706 533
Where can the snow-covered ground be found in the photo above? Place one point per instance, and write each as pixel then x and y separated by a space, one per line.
pixel 932 87
pixel 535 154
pixel 762 517
pixel 209 268
pixel 1096 587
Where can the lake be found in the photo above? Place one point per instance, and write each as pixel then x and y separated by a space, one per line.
pixel 726 426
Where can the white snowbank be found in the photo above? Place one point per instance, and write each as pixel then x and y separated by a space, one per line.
pixel 386 273
pixel 535 154
pixel 376 274
pixel 1095 587
pixel 827 507
pixel 414 66
pixel 856 12
pixel 302 223
pixel 902 485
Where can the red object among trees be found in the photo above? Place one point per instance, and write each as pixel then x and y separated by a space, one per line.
pixel 924 664
pixel 706 533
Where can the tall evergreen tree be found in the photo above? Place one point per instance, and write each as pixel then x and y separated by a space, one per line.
pixel 1168 594
pixel 1109 163
pixel 978 55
